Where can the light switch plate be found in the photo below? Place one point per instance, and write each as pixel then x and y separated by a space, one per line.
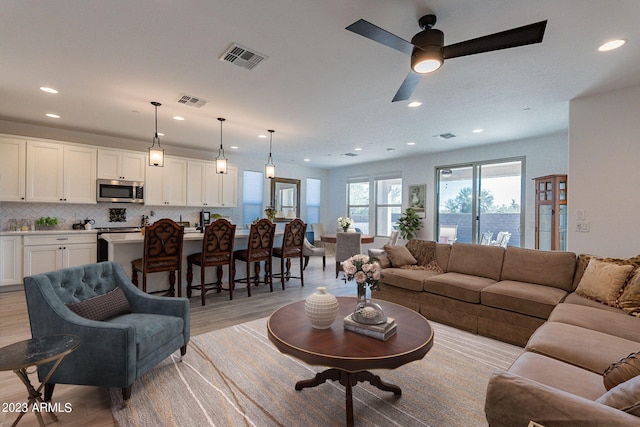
pixel 582 226
pixel 580 214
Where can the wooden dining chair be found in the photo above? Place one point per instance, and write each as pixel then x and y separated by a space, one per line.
pixel 162 251
pixel 292 247
pixel 217 251
pixel 347 245
pixel 259 248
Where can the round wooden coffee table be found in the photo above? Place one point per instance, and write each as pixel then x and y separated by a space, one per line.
pixel 349 355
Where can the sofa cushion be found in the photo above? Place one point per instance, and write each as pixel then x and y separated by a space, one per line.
pixel 526 298
pixel 152 330
pixel 476 260
pixel 102 307
pixel 621 371
pixel 399 256
pixel 558 374
pixel 629 301
pixel 587 349
pixel 547 268
pixel 462 287
pixel 412 280
pixel 625 396
pixel 602 281
pixel 576 299
pixel 615 323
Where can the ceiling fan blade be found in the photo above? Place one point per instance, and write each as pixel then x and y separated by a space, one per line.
pixel 377 34
pixel 528 34
pixel 407 87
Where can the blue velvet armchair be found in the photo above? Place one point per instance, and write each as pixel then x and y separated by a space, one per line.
pixel 113 352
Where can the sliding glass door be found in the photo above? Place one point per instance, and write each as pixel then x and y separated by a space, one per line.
pixel 480 203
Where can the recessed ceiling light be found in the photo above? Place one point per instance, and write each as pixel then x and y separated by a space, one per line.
pixel 262 136
pixel 477 130
pixel 52 116
pixel 160 134
pixel 234 147
pixel 414 104
pixel 179 118
pixel 48 89
pixel 411 143
pixel 307 160
pixel 611 45
pixel 391 149
pixel 357 149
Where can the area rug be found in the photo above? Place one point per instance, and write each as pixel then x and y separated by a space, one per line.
pixel 236 377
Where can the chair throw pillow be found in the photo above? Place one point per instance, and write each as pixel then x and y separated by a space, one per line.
pixel 399 256
pixel 624 396
pixel 102 307
pixel 602 281
pixel 621 371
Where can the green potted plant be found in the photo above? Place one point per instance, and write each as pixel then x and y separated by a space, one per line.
pixel 409 223
pixel 46 222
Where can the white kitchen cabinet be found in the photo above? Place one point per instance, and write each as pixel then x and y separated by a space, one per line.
pixel 123 165
pixel 51 252
pixel 206 188
pixel 60 173
pixel 166 185
pixel 13 161
pixel 10 260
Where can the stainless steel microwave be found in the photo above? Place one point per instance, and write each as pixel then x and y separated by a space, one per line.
pixel 116 191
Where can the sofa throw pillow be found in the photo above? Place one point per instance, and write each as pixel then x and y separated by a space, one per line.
pixel 584 259
pixel 383 261
pixel 621 371
pixel 102 307
pixel 629 301
pixel 424 251
pixel 602 281
pixel 399 256
pixel 624 396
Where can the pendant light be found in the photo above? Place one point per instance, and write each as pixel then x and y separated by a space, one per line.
pixel 221 160
pixel 156 154
pixel 269 167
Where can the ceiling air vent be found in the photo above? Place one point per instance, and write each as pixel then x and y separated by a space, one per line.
pixel 191 101
pixel 242 57
pixel 350 154
pixel 444 136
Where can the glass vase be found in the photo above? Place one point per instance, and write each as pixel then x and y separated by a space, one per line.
pixel 367 311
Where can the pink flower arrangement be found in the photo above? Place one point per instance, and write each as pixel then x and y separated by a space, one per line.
pixel 364 270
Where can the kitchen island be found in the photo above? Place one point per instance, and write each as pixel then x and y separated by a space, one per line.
pixel 125 247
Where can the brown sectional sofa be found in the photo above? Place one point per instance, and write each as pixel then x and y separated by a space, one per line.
pixel 527 297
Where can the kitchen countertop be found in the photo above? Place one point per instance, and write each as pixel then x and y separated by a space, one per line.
pixel 117 238
pixel 54 231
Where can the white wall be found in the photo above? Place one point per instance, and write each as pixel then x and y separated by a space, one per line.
pixel 604 172
pixel 543 156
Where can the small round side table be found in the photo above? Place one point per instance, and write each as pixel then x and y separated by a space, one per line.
pixel 35 352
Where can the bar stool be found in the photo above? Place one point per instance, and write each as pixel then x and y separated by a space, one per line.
pixel 292 247
pixel 217 251
pixel 259 248
pixel 162 252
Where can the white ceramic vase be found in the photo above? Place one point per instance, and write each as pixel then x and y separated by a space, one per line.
pixel 321 308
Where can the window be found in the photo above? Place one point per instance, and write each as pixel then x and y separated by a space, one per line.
pixel 251 196
pixel 388 204
pixel 358 205
pixel 313 201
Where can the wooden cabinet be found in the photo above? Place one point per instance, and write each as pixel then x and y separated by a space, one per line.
pixel 13 152
pixel 60 173
pixel 551 212
pixel 51 252
pixel 10 260
pixel 166 185
pixel 206 188
pixel 123 165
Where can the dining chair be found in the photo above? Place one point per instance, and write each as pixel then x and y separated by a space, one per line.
pixel 259 248
pixel 485 237
pixel 347 245
pixel 162 251
pixel 318 230
pixel 391 241
pixel 448 234
pixel 292 247
pixel 309 250
pixel 217 251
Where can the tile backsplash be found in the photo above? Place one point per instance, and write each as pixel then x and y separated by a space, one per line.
pixel 103 213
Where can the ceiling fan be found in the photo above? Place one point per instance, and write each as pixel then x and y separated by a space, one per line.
pixel 427 48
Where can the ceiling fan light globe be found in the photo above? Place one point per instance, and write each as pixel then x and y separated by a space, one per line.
pixel 426 66
pixel 426 60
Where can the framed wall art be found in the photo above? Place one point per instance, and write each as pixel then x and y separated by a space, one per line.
pixel 417 196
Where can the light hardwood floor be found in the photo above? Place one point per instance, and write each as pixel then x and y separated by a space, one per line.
pixel 90 405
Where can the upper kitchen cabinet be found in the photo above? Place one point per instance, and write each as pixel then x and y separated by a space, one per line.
pixel 122 165
pixel 60 173
pixel 12 169
pixel 206 188
pixel 166 185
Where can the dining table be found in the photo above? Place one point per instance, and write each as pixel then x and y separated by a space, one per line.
pixel 332 238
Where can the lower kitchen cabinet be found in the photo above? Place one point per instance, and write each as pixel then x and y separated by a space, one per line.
pixel 10 260
pixel 50 252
